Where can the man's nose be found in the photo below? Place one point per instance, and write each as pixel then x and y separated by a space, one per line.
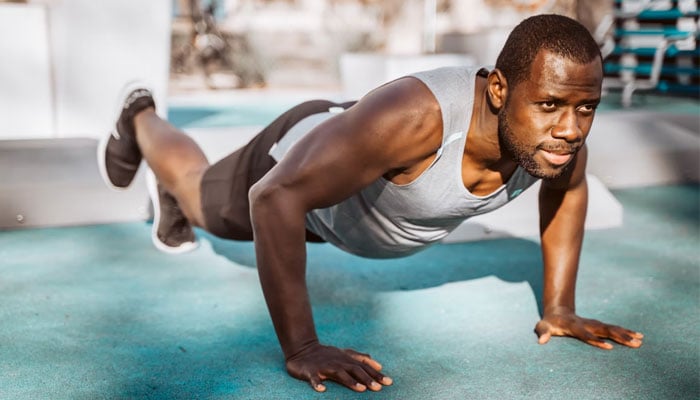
pixel 567 127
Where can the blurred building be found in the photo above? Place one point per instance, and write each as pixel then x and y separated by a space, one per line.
pixel 300 42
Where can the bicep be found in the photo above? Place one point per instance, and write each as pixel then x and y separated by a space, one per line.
pixel 323 170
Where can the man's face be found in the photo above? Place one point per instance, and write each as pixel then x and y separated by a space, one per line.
pixel 546 118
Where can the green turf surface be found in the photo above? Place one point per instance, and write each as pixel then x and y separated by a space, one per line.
pixel 97 313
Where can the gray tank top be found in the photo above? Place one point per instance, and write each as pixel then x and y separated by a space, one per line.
pixel 388 220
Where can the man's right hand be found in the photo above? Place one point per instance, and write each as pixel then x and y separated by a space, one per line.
pixel 347 367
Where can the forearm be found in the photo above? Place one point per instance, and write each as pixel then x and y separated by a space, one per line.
pixel 563 215
pixel 280 249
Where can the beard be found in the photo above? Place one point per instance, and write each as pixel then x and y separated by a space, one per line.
pixel 522 153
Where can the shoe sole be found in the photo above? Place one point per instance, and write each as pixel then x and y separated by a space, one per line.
pixel 102 145
pixel 185 247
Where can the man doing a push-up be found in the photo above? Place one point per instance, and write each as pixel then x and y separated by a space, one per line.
pixel 387 176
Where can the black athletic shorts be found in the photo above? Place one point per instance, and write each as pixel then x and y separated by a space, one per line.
pixel 225 184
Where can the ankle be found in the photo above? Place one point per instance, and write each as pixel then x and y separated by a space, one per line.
pixel 145 112
pixel 141 117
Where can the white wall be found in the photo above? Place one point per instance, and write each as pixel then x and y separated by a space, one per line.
pixel 78 57
pixel 26 101
pixel 362 72
pixel 97 47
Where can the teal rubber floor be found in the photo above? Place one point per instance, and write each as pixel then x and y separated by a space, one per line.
pixel 97 313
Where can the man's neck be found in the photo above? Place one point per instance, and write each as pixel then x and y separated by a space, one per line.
pixel 483 146
pixel 484 168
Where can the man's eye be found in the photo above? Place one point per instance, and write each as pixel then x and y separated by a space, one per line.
pixel 588 108
pixel 548 105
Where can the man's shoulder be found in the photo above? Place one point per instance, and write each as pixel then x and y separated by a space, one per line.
pixel 451 79
pixel 452 71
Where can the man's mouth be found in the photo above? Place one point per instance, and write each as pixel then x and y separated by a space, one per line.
pixel 558 153
pixel 557 157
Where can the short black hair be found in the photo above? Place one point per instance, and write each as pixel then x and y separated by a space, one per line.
pixel 556 33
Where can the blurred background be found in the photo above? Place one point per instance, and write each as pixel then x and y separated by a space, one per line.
pixel 309 42
pixel 326 43
pixel 62 57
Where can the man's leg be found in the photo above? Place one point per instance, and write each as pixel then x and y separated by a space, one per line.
pixel 177 162
pixel 212 197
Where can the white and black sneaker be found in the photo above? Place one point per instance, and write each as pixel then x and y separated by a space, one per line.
pixel 118 154
pixel 171 232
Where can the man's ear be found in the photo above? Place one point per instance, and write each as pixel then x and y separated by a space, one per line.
pixel 497 89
